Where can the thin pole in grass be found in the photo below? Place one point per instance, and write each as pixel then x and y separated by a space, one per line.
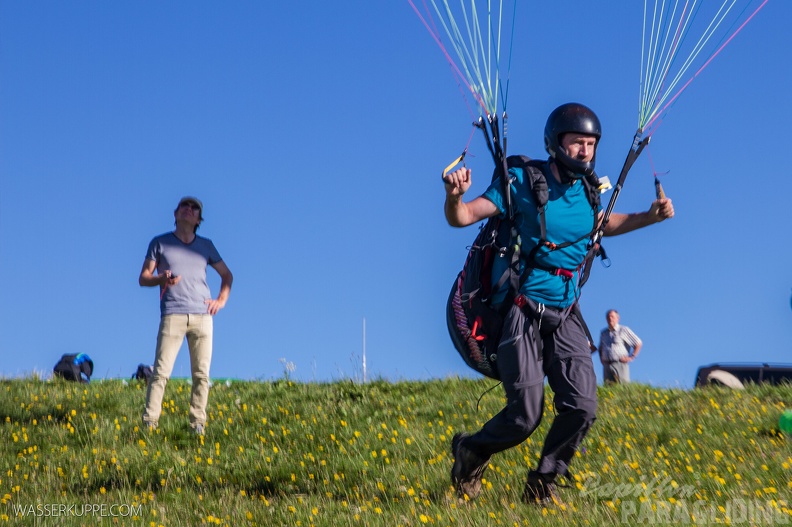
pixel 364 350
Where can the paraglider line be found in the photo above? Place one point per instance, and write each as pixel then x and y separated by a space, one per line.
pixel 672 52
pixel 683 88
pixel 451 62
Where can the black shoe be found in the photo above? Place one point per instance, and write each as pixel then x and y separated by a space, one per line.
pixel 468 468
pixel 541 489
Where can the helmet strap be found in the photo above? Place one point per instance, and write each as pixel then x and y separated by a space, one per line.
pixel 570 168
pixel 567 176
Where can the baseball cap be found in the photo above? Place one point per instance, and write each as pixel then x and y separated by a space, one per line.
pixel 191 199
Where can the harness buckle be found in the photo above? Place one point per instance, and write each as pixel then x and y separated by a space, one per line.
pixel 520 301
pixel 564 272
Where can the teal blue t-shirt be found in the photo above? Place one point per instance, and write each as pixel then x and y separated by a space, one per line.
pixel 568 216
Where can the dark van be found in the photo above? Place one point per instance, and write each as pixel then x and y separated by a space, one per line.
pixel 735 375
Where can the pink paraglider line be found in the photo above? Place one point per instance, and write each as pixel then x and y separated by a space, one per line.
pixel 679 92
pixel 674 45
pixel 454 67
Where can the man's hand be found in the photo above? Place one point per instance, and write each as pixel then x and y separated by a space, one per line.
pixel 149 279
pixel 457 182
pixel 661 209
pixel 214 305
pixel 168 279
pixel 619 223
pixel 226 279
pixel 459 213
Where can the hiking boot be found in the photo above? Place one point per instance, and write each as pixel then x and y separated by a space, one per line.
pixel 468 468
pixel 150 425
pixel 540 489
pixel 198 430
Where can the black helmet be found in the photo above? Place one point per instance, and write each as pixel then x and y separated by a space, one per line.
pixel 571 117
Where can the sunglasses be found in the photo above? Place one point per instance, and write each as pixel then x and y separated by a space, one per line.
pixel 193 206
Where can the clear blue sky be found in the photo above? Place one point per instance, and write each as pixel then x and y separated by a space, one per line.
pixel 314 133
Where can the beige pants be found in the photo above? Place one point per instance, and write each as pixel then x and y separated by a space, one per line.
pixel 616 372
pixel 172 330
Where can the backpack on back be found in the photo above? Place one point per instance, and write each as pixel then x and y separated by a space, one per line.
pixel 74 367
pixel 474 319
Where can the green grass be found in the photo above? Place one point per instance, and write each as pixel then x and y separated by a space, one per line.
pixel 286 453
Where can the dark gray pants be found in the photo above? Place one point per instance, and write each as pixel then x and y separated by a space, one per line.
pixel 564 357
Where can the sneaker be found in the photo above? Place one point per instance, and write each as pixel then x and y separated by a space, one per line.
pixel 468 468
pixel 541 489
pixel 198 430
pixel 150 426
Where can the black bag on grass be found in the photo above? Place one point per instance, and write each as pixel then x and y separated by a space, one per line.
pixel 143 373
pixel 74 367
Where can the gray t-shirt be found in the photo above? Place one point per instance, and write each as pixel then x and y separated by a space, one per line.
pixel 189 261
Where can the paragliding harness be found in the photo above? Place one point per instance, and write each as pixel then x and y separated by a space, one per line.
pixel 474 319
pixel 74 367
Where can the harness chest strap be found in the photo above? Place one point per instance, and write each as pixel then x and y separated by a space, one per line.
pixel 536 174
pixel 544 242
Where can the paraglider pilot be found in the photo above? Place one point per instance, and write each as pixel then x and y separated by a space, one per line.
pixel 557 347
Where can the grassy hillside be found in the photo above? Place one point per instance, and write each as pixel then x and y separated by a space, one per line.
pixel 285 453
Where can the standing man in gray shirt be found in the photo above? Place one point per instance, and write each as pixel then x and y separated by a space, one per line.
pixel 615 344
pixel 180 259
